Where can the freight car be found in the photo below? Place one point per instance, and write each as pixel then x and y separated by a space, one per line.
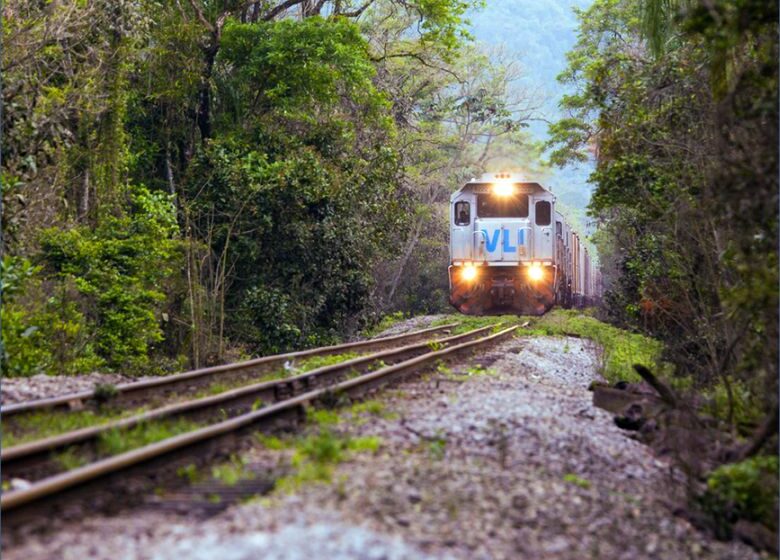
pixel 511 252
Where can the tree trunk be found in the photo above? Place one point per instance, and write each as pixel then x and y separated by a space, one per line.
pixel 203 117
pixel 84 198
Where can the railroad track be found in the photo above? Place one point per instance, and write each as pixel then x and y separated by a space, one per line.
pixel 57 492
pixel 128 394
pixel 33 460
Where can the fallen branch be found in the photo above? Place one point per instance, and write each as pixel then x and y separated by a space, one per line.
pixel 661 388
pixel 766 430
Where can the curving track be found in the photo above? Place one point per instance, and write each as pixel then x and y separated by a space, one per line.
pixel 100 482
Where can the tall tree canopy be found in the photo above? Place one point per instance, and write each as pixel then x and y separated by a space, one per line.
pixel 678 101
pixel 187 181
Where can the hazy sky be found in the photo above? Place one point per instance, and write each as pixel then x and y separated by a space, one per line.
pixel 539 33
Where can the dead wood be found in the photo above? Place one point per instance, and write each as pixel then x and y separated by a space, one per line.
pixel 663 390
pixel 766 430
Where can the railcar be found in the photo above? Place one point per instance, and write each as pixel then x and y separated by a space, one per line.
pixel 511 252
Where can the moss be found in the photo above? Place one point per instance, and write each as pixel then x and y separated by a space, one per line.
pixel 367 444
pixel 469 323
pixel 323 417
pixel 480 370
pixel 437 448
pixel 622 349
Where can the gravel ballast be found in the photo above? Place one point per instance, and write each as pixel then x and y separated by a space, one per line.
pixel 511 461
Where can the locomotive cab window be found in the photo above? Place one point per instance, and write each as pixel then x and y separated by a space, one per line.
pixel 462 214
pixel 543 217
pixel 559 229
pixel 490 206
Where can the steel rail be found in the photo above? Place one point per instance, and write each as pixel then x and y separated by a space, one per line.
pixel 50 487
pixel 269 390
pixel 169 382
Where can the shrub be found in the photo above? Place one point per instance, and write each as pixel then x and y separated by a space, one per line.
pixel 116 272
pixel 745 490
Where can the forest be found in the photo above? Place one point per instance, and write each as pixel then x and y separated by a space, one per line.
pixel 188 183
pixel 185 183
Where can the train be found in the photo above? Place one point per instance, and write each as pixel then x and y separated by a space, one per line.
pixel 512 252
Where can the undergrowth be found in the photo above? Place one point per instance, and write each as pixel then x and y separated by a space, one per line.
pixel 39 425
pixel 745 490
pixel 621 349
pixel 323 445
pixel 116 441
pixel 322 361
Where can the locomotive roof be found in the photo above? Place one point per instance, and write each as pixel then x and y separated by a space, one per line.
pixel 490 178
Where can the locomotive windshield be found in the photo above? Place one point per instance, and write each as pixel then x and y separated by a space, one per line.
pixel 491 206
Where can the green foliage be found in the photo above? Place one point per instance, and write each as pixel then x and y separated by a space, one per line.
pixel 745 490
pixel 116 441
pixel 300 64
pixel 69 459
pixel 572 478
pixel 41 334
pixel 321 361
pixel 385 323
pixel 188 472
pixel 271 442
pixel 743 408
pixel 117 271
pixel 104 293
pixel 104 392
pixel 437 448
pixel 682 201
pixel 480 370
pixel 323 417
pixel 292 152
pixel 621 348
pixel 44 424
pixel 232 471
pixel 292 178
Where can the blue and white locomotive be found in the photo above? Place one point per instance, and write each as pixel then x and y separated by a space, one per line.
pixel 511 252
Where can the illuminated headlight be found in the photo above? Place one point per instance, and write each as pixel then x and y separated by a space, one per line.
pixel 469 273
pixel 503 188
pixel 535 273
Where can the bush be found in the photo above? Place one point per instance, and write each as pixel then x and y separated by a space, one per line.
pixel 745 490
pixel 94 299
pixel 42 332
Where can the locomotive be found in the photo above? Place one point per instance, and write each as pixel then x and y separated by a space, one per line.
pixel 511 252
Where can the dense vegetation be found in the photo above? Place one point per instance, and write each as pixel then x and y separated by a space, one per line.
pixel 188 182
pixel 678 100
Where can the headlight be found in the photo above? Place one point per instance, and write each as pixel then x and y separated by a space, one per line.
pixel 503 188
pixel 469 272
pixel 535 273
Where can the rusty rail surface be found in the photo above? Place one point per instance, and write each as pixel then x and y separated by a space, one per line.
pixel 15 502
pixel 196 378
pixel 16 459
